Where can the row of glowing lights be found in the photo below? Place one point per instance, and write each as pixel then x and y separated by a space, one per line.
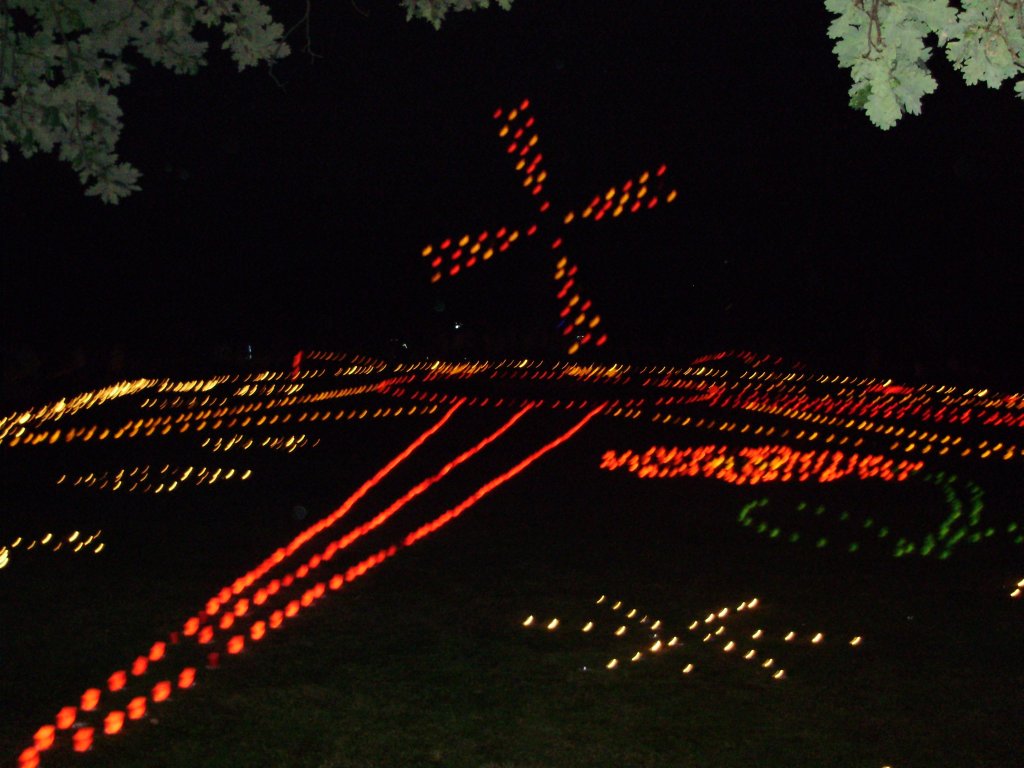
pixel 341 357
pixel 203 630
pixel 780 408
pixel 985 448
pixel 184 425
pixel 872 392
pixel 148 479
pixel 68 406
pixel 74 542
pixel 696 626
pixel 761 464
pixel 286 443
pixel 632 410
pixel 982 450
pixel 220 407
pixel 151 423
pixel 716 391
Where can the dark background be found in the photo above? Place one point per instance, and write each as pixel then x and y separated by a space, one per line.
pixel 294 217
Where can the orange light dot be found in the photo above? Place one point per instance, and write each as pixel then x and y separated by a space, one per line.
pixel 137 708
pixel 113 722
pixel 44 737
pixel 162 691
pixel 66 717
pixel 90 699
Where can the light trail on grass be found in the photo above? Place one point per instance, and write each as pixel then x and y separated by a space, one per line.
pixel 114 720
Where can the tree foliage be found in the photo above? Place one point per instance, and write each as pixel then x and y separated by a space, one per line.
pixel 886 45
pixel 61 62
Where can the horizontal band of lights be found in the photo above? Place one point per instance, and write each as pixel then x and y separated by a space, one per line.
pixel 168 425
pixel 762 464
pixel 121 684
pixel 16 422
pixel 981 451
pixel 651 637
pixel 365 363
pixel 150 479
pixel 578 321
pixel 285 443
pixel 74 543
pixel 816 526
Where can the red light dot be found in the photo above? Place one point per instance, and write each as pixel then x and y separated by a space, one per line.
pixel 82 740
pixel 525 105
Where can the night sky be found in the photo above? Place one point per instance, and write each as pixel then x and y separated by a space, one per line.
pixel 294 217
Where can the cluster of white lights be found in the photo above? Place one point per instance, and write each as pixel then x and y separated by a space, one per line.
pixel 712 626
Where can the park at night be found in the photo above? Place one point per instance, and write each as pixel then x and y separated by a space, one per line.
pixel 546 384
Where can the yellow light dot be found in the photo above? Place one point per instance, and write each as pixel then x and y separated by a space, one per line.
pixel 856 641
pixel 817 638
pixel 779 675
pixel 637 656
pixel 529 621
pixel 631 613
pixel 757 635
pixel 612 664
pixel 588 626
pixel 688 669
pixel 620 631
pixel 553 624
pixel 789 636
pixel 656 646
pixel 600 600
pixel 768 663
pixel 729 646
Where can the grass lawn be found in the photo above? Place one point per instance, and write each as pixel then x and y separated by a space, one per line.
pixel 425 662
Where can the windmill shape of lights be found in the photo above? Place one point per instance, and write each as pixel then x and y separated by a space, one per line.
pixel 579 322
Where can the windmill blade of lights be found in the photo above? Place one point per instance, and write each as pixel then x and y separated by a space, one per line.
pixel 577 320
